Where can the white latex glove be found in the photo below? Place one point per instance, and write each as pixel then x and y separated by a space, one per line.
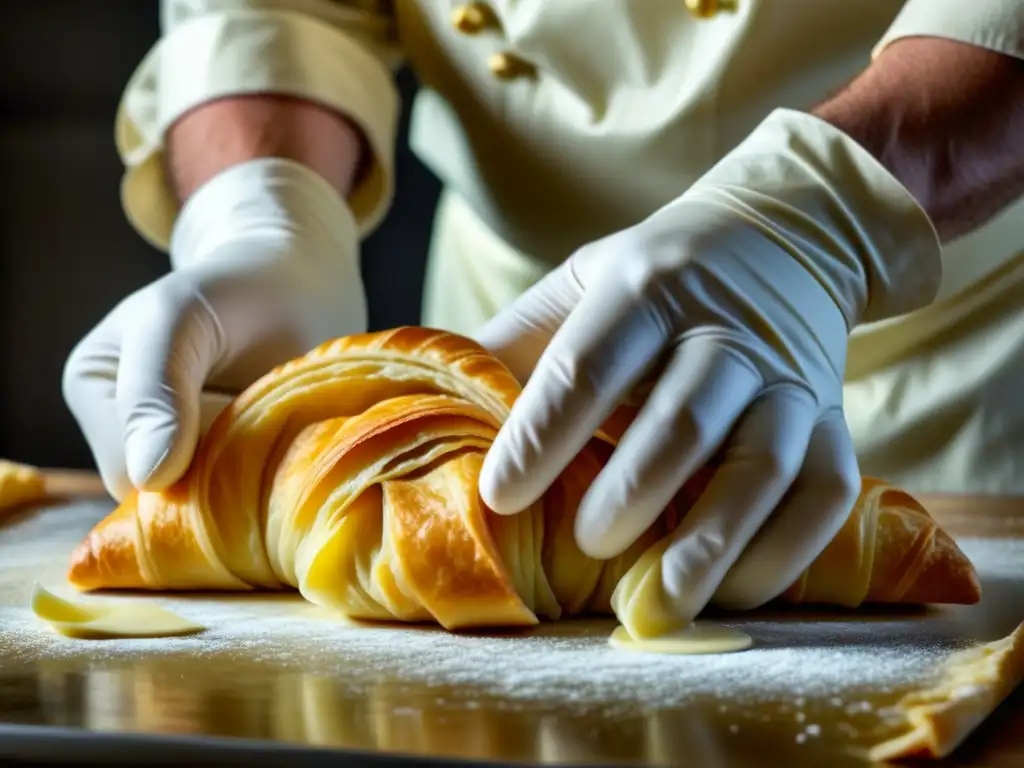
pixel 745 290
pixel 265 267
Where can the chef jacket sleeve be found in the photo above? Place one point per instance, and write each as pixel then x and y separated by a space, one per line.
pixel 997 25
pixel 339 53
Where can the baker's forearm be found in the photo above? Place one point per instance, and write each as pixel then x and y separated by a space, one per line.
pixel 229 131
pixel 946 118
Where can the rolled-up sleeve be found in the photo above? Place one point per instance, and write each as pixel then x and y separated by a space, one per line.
pixel 339 53
pixel 997 25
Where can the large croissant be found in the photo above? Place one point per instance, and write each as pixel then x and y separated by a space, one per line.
pixel 351 474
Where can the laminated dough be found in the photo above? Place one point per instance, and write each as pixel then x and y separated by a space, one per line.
pixel 972 684
pixel 108 619
pixel 350 474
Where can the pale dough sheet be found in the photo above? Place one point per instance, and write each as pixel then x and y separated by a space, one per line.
pixel 802 657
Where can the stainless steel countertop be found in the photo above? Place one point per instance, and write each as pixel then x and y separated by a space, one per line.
pixel 104 706
pixel 271 709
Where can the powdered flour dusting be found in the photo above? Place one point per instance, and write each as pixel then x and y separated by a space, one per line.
pixel 810 657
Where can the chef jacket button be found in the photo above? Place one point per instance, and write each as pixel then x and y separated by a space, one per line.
pixel 706 9
pixel 509 66
pixel 473 18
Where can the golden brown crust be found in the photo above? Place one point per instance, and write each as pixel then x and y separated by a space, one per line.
pixel 449 558
pixel 351 474
pixel 20 484
pixel 107 557
pixel 888 551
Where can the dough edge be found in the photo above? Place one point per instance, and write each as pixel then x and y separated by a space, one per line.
pixel 975 683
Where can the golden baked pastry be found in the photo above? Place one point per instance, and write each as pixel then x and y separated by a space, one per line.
pixel 20 484
pixel 351 475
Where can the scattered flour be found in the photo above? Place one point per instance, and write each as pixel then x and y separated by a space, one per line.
pixel 832 659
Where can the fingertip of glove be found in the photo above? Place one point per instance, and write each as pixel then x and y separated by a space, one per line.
pixel 493 496
pixel 593 546
pixel 597 526
pixel 151 464
pixel 594 540
pixel 501 493
pixel 117 484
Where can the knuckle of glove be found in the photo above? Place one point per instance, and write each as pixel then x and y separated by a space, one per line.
pixel 94 358
pixel 654 287
pixel 573 371
pixel 688 564
pixel 837 488
pixel 85 361
pixel 774 467
pixel 689 425
pixel 179 311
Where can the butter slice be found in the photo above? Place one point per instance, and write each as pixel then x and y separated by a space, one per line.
pixel 94 620
pixel 693 639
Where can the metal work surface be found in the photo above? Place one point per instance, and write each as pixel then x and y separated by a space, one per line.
pixel 272 672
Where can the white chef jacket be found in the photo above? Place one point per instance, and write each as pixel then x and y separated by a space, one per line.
pixel 555 122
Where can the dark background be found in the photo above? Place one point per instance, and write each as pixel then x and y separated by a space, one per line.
pixel 67 254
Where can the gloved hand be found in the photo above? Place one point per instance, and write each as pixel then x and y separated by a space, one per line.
pixel 265 267
pixel 739 297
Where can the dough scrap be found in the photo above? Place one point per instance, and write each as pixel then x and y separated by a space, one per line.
pixel 698 638
pixel 108 620
pixel 20 484
pixel 974 683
